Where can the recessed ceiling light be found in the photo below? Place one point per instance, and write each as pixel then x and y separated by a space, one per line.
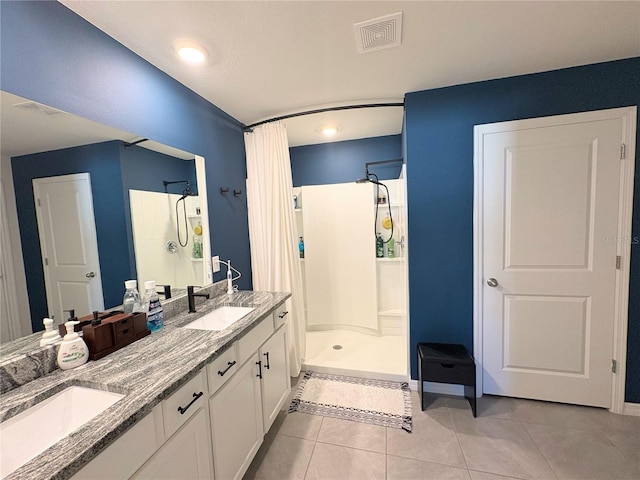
pixel 330 130
pixel 191 52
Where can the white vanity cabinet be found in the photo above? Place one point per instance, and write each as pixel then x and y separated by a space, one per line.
pixel 276 382
pixel 236 422
pixel 186 455
pixel 129 452
pixel 244 408
pixel 173 441
pixel 214 424
pixel 187 452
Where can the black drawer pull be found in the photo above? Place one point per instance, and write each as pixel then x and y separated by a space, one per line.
pixel 283 314
pixel 267 365
pixel 447 365
pixel 259 363
pixel 229 365
pixel 196 396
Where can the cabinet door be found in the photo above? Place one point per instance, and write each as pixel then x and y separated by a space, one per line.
pixel 236 422
pixel 128 453
pixel 276 382
pixel 186 455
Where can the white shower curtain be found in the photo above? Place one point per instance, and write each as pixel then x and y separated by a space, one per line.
pixel 275 260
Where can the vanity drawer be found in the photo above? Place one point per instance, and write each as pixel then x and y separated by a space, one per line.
pixel 180 406
pixel 222 368
pixel 249 344
pixel 280 315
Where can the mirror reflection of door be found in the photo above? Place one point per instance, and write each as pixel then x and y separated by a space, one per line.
pixel 68 240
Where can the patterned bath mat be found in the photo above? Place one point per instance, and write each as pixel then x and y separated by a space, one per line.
pixel 358 399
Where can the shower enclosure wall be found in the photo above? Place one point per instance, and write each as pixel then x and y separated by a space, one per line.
pixel 355 303
pixel 159 255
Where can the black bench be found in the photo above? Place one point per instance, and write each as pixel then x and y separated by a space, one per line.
pixel 447 363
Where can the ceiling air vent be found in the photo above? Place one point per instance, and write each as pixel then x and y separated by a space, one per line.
pixel 379 33
pixel 38 107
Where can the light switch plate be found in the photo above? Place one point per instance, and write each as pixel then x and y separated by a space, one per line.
pixel 215 263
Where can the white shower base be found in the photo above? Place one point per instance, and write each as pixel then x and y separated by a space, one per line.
pixel 361 355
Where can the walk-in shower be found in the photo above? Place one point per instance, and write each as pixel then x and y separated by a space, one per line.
pixel 355 301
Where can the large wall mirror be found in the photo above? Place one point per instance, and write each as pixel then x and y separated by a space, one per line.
pixel 146 207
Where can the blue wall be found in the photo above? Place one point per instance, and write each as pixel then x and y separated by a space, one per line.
pixel 113 169
pixel 439 135
pixel 342 162
pixel 51 55
pixel 101 162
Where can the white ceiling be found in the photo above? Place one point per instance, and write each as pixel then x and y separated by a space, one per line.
pixel 41 129
pixel 271 58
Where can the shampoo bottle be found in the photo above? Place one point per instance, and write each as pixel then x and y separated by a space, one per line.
pixel 379 246
pixel 73 351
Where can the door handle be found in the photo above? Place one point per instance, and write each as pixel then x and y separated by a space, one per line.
pixel 90 275
pixel 492 282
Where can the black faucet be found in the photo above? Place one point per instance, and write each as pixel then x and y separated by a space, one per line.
pixel 191 296
pixel 166 291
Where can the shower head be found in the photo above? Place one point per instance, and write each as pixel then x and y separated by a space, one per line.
pixel 369 179
pixel 186 193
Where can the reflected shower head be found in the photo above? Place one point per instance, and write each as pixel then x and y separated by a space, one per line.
pixel 186 193
pixel 362 180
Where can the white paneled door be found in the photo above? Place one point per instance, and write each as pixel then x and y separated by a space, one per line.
pixel 69 244
pixel 549 220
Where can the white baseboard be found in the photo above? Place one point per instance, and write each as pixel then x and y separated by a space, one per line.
pixel 631 409
pixel 439 388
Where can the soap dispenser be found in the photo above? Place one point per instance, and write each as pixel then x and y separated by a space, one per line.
pixel 73 352
pixel 50 335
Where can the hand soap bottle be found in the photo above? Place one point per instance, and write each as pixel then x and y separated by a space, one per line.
pixel 73 351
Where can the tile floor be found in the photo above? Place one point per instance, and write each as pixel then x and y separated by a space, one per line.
pixel 511 438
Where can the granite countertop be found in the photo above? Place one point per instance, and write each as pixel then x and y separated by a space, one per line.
pixel 146 372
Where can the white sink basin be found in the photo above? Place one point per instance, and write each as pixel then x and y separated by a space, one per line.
pixel 220 318
pixel 31 432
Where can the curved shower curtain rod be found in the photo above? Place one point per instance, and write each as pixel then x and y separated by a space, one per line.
pixel 249 128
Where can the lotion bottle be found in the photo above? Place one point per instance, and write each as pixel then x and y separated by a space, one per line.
pixel 73 351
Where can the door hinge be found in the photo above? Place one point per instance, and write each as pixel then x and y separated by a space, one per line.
pixel 618 261
pixel 614 366
pixel 623 151
pixel 46 261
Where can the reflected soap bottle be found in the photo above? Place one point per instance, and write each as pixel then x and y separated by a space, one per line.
pixel 131 302
pixel 301 247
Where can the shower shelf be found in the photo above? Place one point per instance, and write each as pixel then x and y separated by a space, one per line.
pixel 392 259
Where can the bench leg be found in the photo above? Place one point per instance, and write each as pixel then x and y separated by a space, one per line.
pixel 470 394
pixel 420 385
